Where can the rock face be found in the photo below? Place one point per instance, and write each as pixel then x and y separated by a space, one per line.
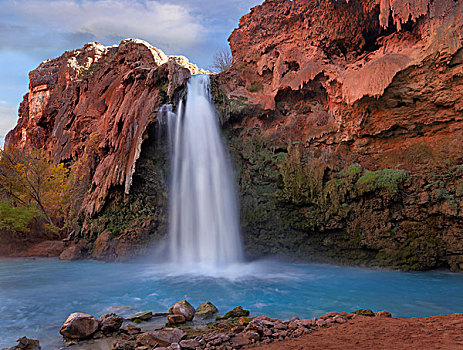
pixel 112 92
pixel 45 249
pixel 79 326
pixel 345 122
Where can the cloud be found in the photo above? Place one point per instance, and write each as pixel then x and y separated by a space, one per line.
pixel 8 118
pixel 38 25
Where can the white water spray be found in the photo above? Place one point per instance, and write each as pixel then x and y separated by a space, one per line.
pixel 203 215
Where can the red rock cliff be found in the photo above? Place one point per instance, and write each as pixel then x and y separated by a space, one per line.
pixel 377 77
pixel 347 127
pixel 113 92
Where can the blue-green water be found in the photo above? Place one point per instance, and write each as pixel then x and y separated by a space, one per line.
pixel 36 296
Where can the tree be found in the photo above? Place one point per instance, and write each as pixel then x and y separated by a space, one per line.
pixel 222 60
pixel 32 183
pixel 16 219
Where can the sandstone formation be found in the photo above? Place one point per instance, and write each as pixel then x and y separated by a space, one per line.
pixel 45 249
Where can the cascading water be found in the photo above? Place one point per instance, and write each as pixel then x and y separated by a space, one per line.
pixel 203 215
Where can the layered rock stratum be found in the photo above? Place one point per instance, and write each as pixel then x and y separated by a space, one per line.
pixel 344 119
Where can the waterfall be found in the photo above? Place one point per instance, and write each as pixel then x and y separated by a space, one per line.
pixel 203 213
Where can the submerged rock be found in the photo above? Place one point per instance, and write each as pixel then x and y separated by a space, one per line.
pixel 184 308
pixel 110 323
pixel 79 326
pixel 206 310
pixel 142 316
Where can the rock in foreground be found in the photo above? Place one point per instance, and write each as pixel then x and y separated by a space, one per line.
pixel 237 311
pixel 162 337
pixel 206 310
pixel 176 319
pixel 110 323
pixel 25 343
pixel 79 326
pixel 184 308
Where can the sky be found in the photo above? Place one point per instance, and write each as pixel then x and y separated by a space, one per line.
pixel 34 30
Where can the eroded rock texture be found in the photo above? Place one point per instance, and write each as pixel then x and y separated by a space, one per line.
pixel 111 91
pixel 346 124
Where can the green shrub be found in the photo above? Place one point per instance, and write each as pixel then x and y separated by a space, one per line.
pixel 16 218
pixel 387 180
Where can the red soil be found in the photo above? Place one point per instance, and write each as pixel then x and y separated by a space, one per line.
pixel 436 332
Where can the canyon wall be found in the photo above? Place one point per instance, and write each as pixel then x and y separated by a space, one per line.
pixel 346 126
pixel 344 120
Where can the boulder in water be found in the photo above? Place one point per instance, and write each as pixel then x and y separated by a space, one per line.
pixel 71 253
pixel 364 312
pixel 206 310
pixel 176 319
pixel 25 343
pixel 110 323
pixel 184 308
pixel 237 311
pixel 79 326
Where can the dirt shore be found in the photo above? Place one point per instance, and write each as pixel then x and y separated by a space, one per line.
pixel 436 332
